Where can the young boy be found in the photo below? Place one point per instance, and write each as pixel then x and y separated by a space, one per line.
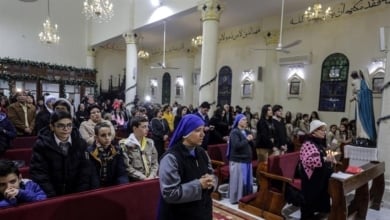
pixel 140 154
pixel 108 163
pixel 15 190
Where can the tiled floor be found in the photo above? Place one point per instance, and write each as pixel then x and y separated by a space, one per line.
pixel 293 213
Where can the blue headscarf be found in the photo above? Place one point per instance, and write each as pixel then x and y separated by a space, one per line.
pixel 187 124
pixel 237 119
pixel 235 124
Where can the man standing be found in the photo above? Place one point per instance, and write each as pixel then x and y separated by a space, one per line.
pixel 22 115
pixel 280 144
pixel 203 114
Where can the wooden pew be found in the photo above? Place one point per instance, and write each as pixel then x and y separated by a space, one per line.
pixel 137 201
pixel 273 178
pixel 364 197
pixel 23 142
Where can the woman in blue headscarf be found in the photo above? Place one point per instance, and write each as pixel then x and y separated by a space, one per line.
pixel 186 179
pixel 239 154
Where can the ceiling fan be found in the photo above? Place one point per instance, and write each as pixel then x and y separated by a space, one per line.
pixel 281 47
pixel 162 65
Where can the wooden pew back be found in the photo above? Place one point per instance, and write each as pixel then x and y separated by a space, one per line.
pixel 138 201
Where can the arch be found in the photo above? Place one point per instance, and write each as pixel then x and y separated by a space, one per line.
pixel 166 88
pixel 334 83
pixel 224 86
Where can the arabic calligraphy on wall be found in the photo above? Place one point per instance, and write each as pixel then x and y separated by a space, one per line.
pixel 347 8
pixel 240 33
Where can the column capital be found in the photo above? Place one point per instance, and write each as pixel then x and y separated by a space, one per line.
pixel 130 37
pixel 211 9
pixel 91 51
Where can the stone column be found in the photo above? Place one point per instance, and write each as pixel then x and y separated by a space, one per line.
pixel 91 58
pixel 211 12
pixel 384 122
pixel 131 68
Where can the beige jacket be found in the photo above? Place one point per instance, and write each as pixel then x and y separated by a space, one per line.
pixel 87 130
pixel 133 158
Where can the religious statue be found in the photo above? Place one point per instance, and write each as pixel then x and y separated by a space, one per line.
pixel 364 111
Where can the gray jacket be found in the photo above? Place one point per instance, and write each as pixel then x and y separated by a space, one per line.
pixel 136 168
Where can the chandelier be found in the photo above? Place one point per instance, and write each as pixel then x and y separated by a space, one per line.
pixel 142 54
pixel 98 10
pixel 197 41
pixel 49 35
pixel 316 13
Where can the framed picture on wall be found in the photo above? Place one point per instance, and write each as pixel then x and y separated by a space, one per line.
pixel 377 84
pixel 247 89
pixel 295 87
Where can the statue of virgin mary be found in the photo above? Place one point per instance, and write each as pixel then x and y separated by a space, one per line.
pixel 364 111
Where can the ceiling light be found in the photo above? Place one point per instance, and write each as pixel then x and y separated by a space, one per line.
pixel 98 10
pixel 142 54
pixel 49 35
pixel 316 13
pixel 197 41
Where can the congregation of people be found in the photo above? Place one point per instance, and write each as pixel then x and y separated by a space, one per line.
pixel 104 144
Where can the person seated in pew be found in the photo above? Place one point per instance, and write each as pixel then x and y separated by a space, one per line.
pixel 186 175
pixel 141 156
pixel 15 190
pixel 108 166
pixel 315 171
pixel 59 162
pixel 87 127
pixel 7 132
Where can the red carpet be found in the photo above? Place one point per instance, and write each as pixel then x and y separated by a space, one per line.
pixel 222 212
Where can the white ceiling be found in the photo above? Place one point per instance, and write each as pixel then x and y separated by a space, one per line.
pixel 235 12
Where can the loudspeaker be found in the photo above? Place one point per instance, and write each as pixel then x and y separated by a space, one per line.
pixel 383 39
pixel 260 74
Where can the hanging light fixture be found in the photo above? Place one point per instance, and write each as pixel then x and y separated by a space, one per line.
pixel 197 41
pixel 142 54
pixel 49 35
pixel 98 10
pixel 316 13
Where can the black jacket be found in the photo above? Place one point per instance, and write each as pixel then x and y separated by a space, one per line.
pixel 7 133
pixel 42 119
pixel 56 173
pixel 116 169
pixel 240 147
pixel 190 168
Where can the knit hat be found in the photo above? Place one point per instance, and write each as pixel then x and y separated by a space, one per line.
pixel 187 124
pixel 315 124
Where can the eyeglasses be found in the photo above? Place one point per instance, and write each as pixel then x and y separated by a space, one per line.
pixel 63 126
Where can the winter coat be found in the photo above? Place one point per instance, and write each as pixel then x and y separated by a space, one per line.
pixel 7 132
pixel 29 191
pixel 56 173
pixel 116 169
pixel 133 157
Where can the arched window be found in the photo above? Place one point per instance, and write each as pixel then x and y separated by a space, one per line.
pixel 334 82
pixel 225 86
pixel 166 89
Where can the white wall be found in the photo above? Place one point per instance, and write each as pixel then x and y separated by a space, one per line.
pixel 20 24
pixel 109 62
pixel 356 36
